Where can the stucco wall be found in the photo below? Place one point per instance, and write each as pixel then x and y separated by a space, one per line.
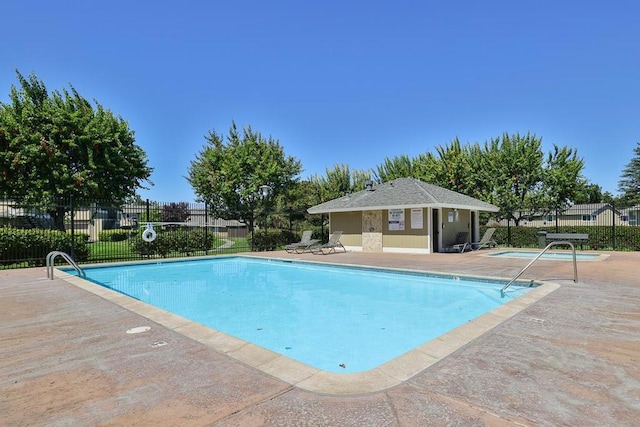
pixel 372 231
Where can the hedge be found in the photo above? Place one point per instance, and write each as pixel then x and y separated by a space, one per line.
pixel 170 241
pixel 118 235
pixel 600 237
pixel 33 245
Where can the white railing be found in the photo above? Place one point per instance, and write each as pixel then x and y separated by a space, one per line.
pixel 560 242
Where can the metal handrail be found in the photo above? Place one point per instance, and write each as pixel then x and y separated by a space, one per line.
pixel 562 242
pixel 51 262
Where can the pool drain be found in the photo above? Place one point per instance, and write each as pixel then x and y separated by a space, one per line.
pixel 138 329
pixel 158 344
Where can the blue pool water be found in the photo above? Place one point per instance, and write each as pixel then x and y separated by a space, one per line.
pixel 567 256
pixel 338 319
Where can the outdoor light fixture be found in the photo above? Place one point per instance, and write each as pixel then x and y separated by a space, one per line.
pixel 265 190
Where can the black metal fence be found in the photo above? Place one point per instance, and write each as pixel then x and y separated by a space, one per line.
pixel 607 227
pixel 100 232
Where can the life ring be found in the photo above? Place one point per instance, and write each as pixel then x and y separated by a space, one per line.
pixel 149 234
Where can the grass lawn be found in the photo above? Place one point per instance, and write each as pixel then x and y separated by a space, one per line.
pixel 101 251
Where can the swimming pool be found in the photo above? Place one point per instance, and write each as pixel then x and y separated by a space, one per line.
pixel 296 373
pixel 337 319
pixel 559 256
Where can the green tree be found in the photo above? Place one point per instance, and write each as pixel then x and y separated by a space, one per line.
pixel 590 193
pixel 398 167
pixel 57 146
pixel 339 181
pixel 510 171
pixel 228 173
pixel 629 184
pixel 515 170
pixel 453 168
pixel 562 180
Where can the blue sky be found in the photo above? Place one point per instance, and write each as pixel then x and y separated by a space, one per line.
pixel 341 82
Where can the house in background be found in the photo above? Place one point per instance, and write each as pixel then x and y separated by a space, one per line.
pixel 94 219
pixel 578 215
pixel 404 215
pixel 131 215
pixel 631 215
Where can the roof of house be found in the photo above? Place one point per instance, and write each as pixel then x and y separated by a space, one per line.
pixel 587 208
pixel 627 211
pixel 402 193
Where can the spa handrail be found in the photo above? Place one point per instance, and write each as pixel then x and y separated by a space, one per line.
pixel 560 242
pixel 51 262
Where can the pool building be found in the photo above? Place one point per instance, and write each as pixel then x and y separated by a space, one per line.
pixel 405 215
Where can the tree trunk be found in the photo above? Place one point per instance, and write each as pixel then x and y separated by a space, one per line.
pixel 57 215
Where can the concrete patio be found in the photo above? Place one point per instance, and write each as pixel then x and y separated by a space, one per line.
pixel 572 358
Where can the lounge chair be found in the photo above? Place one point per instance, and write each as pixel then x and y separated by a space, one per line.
pixel 304 244
pixel 330 246
pixel 461 244
pixel 486 241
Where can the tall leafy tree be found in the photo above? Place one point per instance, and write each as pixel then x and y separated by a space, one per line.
pixel 57 145
pixel 591 193
pixel 293 204
pixel 562 179
pixel 511 172
pixel 229 171
pixel 629 184
pixel 398 167
pixel 339 181
pixel 453 170
pixel 515 168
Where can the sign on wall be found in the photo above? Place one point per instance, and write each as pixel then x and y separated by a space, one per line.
pixel 396 219
pixel 416 218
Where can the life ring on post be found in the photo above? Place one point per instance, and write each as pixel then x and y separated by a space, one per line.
pixel 149 234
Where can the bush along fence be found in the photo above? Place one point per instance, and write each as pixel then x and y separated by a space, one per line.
pixel 607 228
pixel 100 232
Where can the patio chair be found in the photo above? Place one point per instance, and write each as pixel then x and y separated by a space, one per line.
pixel 330 246
pixel 486 241
pixel 461 244
pixel 304 244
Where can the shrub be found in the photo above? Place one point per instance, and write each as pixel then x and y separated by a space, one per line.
pixel 268 240
pixel 600 237
pixel 167 242
pixel 113 235
pixel 33 245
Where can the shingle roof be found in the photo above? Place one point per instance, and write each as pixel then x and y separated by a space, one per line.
pixel 587 208
pixel 402 193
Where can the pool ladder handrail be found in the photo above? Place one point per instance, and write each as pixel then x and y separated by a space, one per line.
pixel 51 263
pixel 559 242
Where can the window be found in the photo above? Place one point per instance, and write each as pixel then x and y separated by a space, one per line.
pixel 588 218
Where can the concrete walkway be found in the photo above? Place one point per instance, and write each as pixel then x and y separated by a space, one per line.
pixel 572 358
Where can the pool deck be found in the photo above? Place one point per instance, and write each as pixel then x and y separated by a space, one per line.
pixel 571 358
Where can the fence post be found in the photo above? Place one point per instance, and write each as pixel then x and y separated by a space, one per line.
pixel 613 225
pixel 148 221
pixel 206 227
pixel 73 229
